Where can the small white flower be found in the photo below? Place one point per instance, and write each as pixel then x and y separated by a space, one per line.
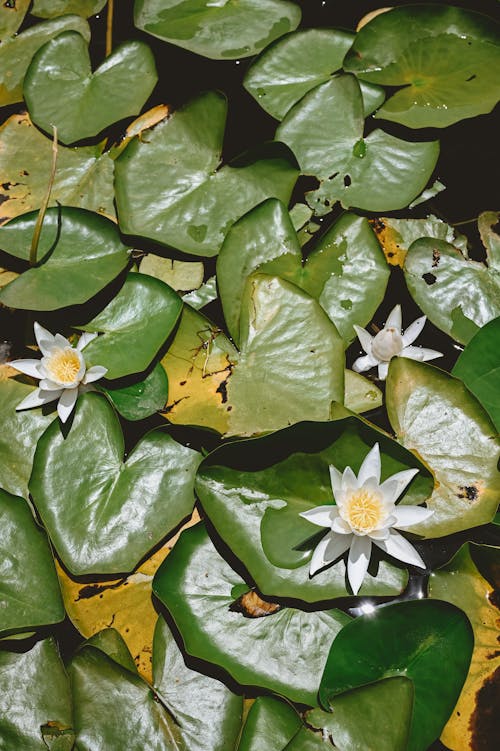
pixel 62 371
pixel 391 342
pixel 365 512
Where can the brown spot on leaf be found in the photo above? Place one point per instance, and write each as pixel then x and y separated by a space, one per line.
pixel 493 655
pixel 92 590
pixel 251 605
pixel 429 278
pixel 222 390
pixel 468 491
pixel 494 598
pixel 436 257
pixel 483 725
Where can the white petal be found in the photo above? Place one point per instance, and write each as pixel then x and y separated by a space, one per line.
pixel 383 369
pixel 395 484
pixel 30 367
pixel 399 547
pixel 365 339
pixel 359 558
pixel 370 466
pixel 44 338
pixel 394 319
pixel 413 330
pixel 422 354
pixel 328 550
pixel 85 338
pixel 94 373
pixel 336 480
pixel 47 385
pixel 61 341
pixel 66 403
pixel 320 515
pixel 408 515
pixel 364 363
pixel 349 482
pixel 37 398
pixel 341 527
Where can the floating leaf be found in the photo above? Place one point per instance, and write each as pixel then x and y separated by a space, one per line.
pixel 84 176
pixel 270 725
pixel 29 590
pixel 217 28
pixel 61 90
pixel 444 59
pixel 253 492
pixel 376 173
pixel 458 296
pixel 180 275
pixel 92 503
pixel 171 188
pixel 127 344
pixel 396 235
pixel 17 51
pixel 199 587
pixel 487 225
pixel 204 295
pixel 54 8
pixel 11 17
pixel 142 398
pixel 79 253
pixel 437 418
pixel 361 394
pixel 429 642
pixel 461 583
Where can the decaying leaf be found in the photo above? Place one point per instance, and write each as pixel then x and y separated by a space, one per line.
pixel 251 605
pixel 396 235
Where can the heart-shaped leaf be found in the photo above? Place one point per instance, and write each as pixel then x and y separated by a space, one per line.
pixel 203 595
pixel 54 8
pixel 35 699
pixel 61 90
pixel 253 492
pixel 102 515
pixel 19 433
pixel 444 59
pixel 270 725
pixel 29 590
pixel 79 253
pixel 376 173
pixel 458 295
pixel 428 641
pixel 84 176
pixel 461 582
pixel 11 17
pixel 436 417
pixel 396 235
pixel 142 398
pixel 133 335
pixel 479 368
pixel 219 29
pixel 171 188
pixel 16 52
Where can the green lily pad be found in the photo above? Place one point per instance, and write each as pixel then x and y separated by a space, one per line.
pixel 16 52
pixel 437 418
pixel 397 235
pixel 430 642
pixel 84 176
pixel 479 368
pixel 11 17
pixel 54 8
pixel 132 335
pixel 346 272
pixel 270 725
pixel 60 88
pixel 458 295
pixel 92 503
pixel 111 642
pixel 487 224
pixel 79 253
pixel 35 699
pixel 220 29
pixel 207 712
pixel 19 434
pixel 171 188
pixel 253 492
pixel 360 394
pixel 29 589
pixel 376 173
pixel 444 59
pixel 200 589
pixel 142 398
pixel 202 296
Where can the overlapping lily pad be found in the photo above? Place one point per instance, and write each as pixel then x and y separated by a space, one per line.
pixel 444 59
pixel 217 28
pixel 141 399
pixel 397 235
pixel 270 725
pixel 54 8
pixel 201 592
pixel 79 253
pixel 377 173
pixel 11 17
pixel 171 188
pixel 92 503
pixel 437 418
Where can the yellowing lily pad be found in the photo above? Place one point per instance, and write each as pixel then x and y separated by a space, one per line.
pixel 396 235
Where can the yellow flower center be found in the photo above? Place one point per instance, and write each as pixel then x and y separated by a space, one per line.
pixel 64 365
pixel 364 511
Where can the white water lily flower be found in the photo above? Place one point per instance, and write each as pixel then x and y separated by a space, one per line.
pixel 62 371
pixel 391 342
pixel 365 512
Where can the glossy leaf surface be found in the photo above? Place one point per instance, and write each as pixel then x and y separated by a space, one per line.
pixel 143 398
pixel 54 8
pixel 220 30
pixel 199 587
pixel 171 188
pixel 79 253
pixel 93 505
pixel 437 418
pixel 269 726
pixel 429 642
pixel 397 235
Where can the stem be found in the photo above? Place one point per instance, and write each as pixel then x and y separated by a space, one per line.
pixel 43 208
pixel 109 28
pixel 466 221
